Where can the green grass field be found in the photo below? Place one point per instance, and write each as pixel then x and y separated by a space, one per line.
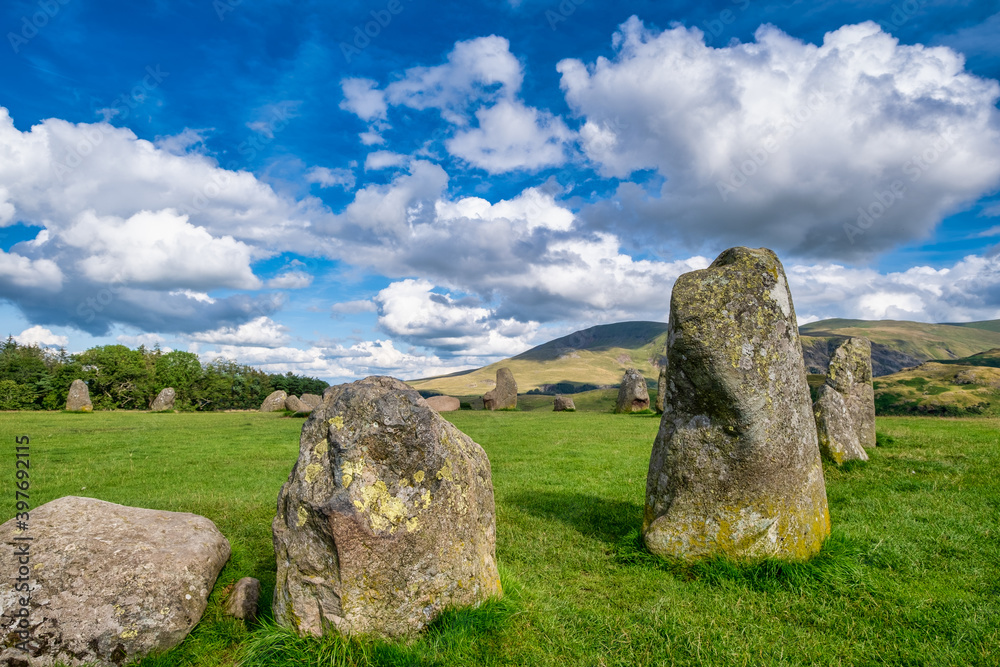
pixel 911 575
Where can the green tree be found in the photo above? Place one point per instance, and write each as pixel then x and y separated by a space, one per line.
pixel 118 377
pixel 25 366
pixel 14 396
pixel 183 372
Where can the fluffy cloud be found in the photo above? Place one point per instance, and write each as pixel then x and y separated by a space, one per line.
pixel 42 337
pixel 260 332
pixel 783 143
pixel 327 178
pixel 512 136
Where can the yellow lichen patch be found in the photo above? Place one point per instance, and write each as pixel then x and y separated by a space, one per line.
pixel 336 422
pixel 349 470
pixel 425 497
pixel 131 633
pixel 385 511
pixel 418 476
pixel 322 448
pixel 412 525
pixel 446 472
pixel 303 516
pixel 313 471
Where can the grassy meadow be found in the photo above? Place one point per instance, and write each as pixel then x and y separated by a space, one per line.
pixel 911 575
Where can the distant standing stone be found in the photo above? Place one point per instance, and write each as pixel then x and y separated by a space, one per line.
pixel 444 403
pixel 164 400
pixel 109 583
pixel 294 404
pixel 736 467
pixel 275 401
pixel 632 393
pixel 78 399
pixel 504 395
pixel 838 438
pixel 850 373
pixel 661 388
pixel 311 399
pixel 563 404
pixel 386 519
pixel 242 602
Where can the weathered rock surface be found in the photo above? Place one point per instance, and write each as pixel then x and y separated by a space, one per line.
pixel 736 467
pixel 838 438
pixel 78 399
pixel 295 404
pixel 386 519
pixel 444 403
pixel 275 401
pixel 108 583
pixel 164 400
pixel 661 388
pixel 504 395
pixel 562 404
pixel 242 601
pixel 311 399
pixel 850 373
pixel 632 393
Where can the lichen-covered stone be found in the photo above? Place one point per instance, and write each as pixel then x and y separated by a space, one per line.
pixel 242 601
pixel 108 583
pixel 295 404
pixel 632 393
pixel 275 401
pixel 661 388
pixel 504 395
pixel 164 400
pixel 838 437
pixel 78 399
pixel 850 373
pixel 735 468
pixel 311 400
pixel 563 404
pixel 444 403
pixel 386 519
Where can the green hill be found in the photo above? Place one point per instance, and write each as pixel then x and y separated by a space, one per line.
pixel 916 339
pixel 939 389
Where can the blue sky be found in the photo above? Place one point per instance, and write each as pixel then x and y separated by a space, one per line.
pixel 410 188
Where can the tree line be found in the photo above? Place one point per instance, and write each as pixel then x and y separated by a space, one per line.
pixel 120 378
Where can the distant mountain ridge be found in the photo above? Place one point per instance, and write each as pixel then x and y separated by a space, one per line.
pixel 598 355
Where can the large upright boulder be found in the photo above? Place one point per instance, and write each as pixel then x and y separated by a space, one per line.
pixel 164 400
pixel 78 399
pixel 297 405
pixel 838 436
pixel 275 401
pixel 735 468
pixel 850 373
pixel 632 393
pixel 108 583
pixel 386 519
pixel 504 395
pixel 311 400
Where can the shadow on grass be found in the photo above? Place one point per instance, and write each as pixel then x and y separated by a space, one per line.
pixel 606 520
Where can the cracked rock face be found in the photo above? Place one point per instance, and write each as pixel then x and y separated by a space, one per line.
pixel 108 583
pixel 735 468
pixel 386 519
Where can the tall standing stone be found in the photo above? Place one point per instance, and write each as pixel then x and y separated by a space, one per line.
pixel 504 395
pixel 838 436
pixel 850 373
pixel 661 387
pixel 735 468
pixel 632 393
pixel 386 519
pixel 78 399
pixel 164 400
pixel 275 401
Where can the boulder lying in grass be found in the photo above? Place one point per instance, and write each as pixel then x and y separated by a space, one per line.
pixel 242 601
pixel 838 437
pixel 108 583
pixel 78 399
pixel 444 403
pixel 295 404
pixel 563 404
pixel 504 395
pixel 164 400
pixel 632 393
pixel 735 468
pixel 311 400
pixel 850 373
pixel 275 401
pixel 386 519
